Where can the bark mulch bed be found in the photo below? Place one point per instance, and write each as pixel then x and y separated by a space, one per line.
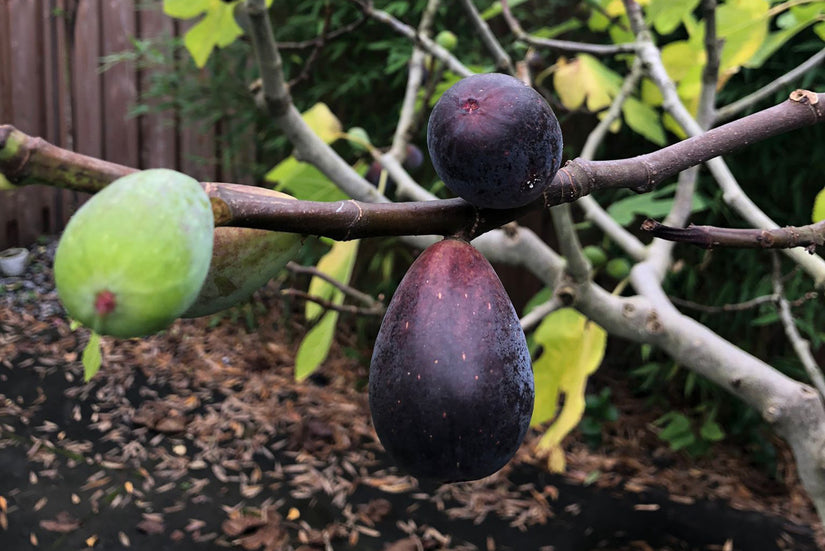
pixel 200 438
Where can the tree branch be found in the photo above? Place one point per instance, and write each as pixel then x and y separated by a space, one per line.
pixel 563 45
pixel 26 160
pixel 800 345
pixel 415 75
pixel 423 42
pixel 503 61
pixel 733 109
pixel 732 193
pixel 708 237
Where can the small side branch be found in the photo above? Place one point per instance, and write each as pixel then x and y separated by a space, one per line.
pixel 733 109
pixel 800 345
pixel 371 305
pixel 503 61
pixel 708 237
pixel 562 45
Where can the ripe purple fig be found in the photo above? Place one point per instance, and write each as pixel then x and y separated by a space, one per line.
pixel 494 141
pixel 451 385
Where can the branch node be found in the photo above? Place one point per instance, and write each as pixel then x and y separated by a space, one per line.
pixel 804 96
pixel 628 310
pixel 653 324
pixel 566 294
pixel 772 413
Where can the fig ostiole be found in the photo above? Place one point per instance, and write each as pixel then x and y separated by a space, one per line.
pixel 133 258
pixel 243 261
pixel 494 141
pixel 451 385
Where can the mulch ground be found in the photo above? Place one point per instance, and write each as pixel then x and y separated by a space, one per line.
pixel 200 438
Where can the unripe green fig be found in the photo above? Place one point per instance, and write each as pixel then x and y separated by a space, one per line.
pixel 243 261
pixel 618 268
pixel 446 40
pixel 133 258
pixel 595 255
pixel 451 386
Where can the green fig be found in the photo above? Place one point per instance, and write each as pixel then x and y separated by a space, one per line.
pixel 451 385
pixel 243 261
pixel 618 268
pixel 133 258
pixel 447 40
pixel 595 255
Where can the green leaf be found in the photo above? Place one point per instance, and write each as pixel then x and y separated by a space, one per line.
pixel 678 426
pixel 495 9
pixel 666 15
pixel 819 30
pixel 185 9
pixel 765 319
pixel 653 205
pixel 315 346
pixel 585 81
pixel 711 431
pixel 819 207
pixel 217 28
pixel 776 40
pixel 538 299
pixel 682 441
pixel 572 349
pixel 91 357
pixel 644 120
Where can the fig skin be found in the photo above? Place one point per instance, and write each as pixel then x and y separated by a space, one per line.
pixel 494 141
pixel 243 261
pixel 451 385
pixel 133 258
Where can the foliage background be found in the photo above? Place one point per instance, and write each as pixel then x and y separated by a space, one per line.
pixel 361 76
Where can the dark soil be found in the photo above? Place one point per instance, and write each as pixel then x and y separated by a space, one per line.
pixel 200 438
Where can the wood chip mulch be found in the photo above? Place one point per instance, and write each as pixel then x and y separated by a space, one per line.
pixel 208 413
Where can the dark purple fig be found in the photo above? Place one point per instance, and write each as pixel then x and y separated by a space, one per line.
pixel 451 385
pixel 494 141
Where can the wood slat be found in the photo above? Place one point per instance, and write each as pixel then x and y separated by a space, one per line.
pixel 120 131
pixel 87 120
pixel 158 141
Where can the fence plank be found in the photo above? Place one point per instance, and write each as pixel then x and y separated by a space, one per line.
pixel 87 104
pixel 120 131
pixel 5 61
pixel 158 146
pixel 24 217
pixel 57 113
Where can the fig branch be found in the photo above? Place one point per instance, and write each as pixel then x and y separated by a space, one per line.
pixel 709 237
pixel 27 160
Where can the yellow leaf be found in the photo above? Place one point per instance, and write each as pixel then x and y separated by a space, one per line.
pixel 743 26
pixel 681 57
pixel 555 460
pixel 323 122
pixel 818 213
pixel 585 80
pixel 572 349
pixel 337 264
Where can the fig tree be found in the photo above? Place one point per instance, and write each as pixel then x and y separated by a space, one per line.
pixel 494 141
pixel 133 258
pixel 450 385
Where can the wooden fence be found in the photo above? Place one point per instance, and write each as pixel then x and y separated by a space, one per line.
pixel 51 86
